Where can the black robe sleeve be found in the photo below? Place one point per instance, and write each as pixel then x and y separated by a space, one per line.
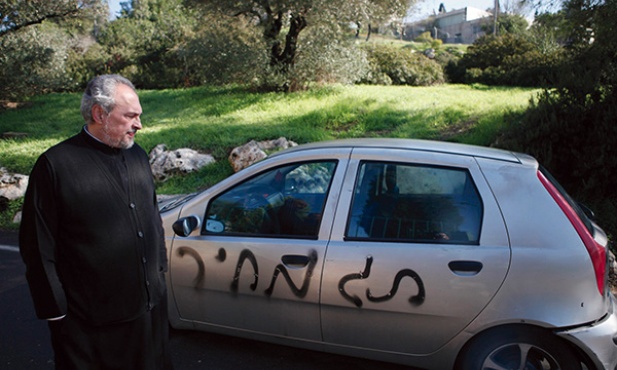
pixel 37 237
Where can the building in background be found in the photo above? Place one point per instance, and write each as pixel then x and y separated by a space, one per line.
pixel 459 26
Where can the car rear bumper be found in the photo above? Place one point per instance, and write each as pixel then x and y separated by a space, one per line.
pixel 598 340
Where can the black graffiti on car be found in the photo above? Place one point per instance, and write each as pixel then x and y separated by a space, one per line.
pixel 200 279
pixel 222 255
pixel 356 276
pixel 302 290
pixel 245 255
pixel 415 300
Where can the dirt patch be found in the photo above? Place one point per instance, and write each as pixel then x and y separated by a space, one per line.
pixel 13 135
pixel 457 130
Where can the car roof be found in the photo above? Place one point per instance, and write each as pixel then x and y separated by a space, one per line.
pixel 420 145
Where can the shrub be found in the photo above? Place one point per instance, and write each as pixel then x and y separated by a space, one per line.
pixel 511 59
pixel 577 142
pixel 424 37
pixel 448 58
pixel 392 65
pixel 223 52
pixel 84 64
pixel 436 44
pixel 324 59
pixel 143 45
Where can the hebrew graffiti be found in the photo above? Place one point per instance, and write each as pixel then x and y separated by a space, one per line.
pixel 302 290
pixel 281 269
pixel 415 300
pixel 245 255
pixel 200 279
pixel 222 255
pixel 363 275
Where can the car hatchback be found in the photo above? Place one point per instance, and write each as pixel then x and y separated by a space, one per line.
pixel 429 254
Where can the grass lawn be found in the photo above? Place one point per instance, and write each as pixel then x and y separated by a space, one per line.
pixel 214 120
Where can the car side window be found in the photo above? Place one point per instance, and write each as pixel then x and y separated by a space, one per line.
pixel 287 201
pixel 414 203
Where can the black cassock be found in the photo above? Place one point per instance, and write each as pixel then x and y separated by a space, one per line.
pixel 93 244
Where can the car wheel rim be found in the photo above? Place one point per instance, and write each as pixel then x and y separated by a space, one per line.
pixel 519 356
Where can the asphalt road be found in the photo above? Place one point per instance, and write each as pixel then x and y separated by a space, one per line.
pixel 24 340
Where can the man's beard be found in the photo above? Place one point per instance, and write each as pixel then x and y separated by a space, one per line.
pixel 119 143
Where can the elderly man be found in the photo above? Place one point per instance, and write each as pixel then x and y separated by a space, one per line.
pixel 92 240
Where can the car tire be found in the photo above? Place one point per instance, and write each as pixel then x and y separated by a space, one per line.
pixel 518 348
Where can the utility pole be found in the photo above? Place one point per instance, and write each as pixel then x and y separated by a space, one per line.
pixel 495 15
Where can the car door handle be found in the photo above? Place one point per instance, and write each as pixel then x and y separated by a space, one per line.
pixel 465 268
pixel 295 260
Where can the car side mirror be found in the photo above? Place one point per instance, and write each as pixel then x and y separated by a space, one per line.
pixel 185 226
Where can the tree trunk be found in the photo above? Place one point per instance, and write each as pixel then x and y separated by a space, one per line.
pixel 274 24
pixel 282 58
pixel 288 58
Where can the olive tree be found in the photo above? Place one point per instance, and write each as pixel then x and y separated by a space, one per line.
pixel 39 40
pixel 18 14
pixel 282 23
pixel 143 43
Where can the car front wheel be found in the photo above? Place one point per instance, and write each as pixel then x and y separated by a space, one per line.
pixel 522 349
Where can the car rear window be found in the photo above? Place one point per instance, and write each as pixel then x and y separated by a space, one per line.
pixel 414 203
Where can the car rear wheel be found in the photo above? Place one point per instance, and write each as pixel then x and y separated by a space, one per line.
pixel 523 349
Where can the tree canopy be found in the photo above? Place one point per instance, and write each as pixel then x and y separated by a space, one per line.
pixel 17 14
pixel 282 21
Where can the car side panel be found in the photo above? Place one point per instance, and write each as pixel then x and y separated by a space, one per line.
pixel 258 285
pixel 551 280
pixel 403 323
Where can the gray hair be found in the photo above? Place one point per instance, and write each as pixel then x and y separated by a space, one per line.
pixel 101 91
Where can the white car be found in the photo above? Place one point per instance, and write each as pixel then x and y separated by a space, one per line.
pixel 429 254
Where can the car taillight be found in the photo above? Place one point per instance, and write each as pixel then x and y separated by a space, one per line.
pixel 597 252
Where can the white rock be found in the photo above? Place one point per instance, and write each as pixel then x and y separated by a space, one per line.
pixel 253 151
pixel 12 186
pixel 183 160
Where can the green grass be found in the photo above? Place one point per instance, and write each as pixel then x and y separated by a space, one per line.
pixel 214 120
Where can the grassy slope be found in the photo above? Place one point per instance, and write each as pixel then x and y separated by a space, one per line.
pixel 216 119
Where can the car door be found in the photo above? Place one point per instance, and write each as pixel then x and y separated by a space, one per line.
pixel 256 263
pixel 418 249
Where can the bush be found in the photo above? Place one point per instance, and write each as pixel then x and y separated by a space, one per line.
pixel 511 59
pixel 436 44
pixel 392 65
pixel 571 128
pixel 577 142
pixel 424 37
pixel 143 45
pixel 83 65
pixel 322 58
pixel 219 58
pixel 449 58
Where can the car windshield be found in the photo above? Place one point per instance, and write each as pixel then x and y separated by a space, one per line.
pixel 169 204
